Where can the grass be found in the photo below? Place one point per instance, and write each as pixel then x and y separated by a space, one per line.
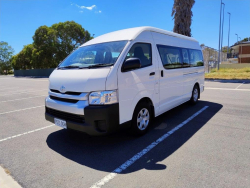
pixel 229 73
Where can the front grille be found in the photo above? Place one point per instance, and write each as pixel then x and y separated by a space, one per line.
pixel 63 99
pixel 68 92
pixel 65 116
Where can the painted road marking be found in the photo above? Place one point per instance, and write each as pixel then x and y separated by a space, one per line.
pixel 129 162
pixel 23 98
pixel 21 110
pixel 8 138
pixel 229 89
pixel 239 85
pixel 32 79
pixel 16 93
pixel 8 88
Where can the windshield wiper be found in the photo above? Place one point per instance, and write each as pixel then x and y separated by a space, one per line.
pixel 69 67
pixel 101 65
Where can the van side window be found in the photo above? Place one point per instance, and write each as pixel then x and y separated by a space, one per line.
pixel 195 57
pixel 170 57
pixel 143 52
pixel 185 57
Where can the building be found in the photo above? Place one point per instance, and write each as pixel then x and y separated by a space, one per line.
pixel 241 51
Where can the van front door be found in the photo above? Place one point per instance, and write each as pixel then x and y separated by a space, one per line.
pixel 171 80
pixel 136 84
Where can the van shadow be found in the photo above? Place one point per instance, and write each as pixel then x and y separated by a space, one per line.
pixel 109 152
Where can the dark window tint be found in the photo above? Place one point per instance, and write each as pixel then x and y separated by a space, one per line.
pixel 195 58
pixel 170 56
pixel 141 51
pixel 185 57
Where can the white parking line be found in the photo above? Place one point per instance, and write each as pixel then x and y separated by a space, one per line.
pixel 128 163
pixel 8 138
pixel 239 85
pixel 8 88
pixel 32 79
pixel 229 89
pixel 23 98
pixel 20 110
pixel 16 93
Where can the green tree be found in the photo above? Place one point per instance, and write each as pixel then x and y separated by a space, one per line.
pixel 45 48
pixel 23 60
pixel 243 40
pixel 70 35
pixel 51 45
pixel 182 13
pixel 6 53
pixel 224 49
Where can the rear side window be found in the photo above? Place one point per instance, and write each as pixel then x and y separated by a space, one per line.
pixel 170 56
pixel 143 52
pixel 185 57
pixel 195 58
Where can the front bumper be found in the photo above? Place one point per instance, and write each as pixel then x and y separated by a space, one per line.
pixel 97 120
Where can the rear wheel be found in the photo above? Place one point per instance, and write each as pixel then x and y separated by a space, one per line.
pixel 141 119
pixel 195 95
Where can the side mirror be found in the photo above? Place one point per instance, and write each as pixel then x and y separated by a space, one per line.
pixel 131 64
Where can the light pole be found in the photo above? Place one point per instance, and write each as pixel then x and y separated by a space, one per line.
pixel 240 38
pixel 237 38
pixel 222 31
pixel 228 33
pixel 218 66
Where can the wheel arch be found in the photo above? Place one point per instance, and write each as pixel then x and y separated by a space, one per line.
pixel 148 100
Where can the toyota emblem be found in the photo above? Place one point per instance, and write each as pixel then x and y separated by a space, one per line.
pixel 62 89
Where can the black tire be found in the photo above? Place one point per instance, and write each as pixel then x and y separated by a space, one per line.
pixel 195 95
pixel 142 107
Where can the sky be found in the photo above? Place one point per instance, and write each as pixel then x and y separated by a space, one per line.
pixel 20 18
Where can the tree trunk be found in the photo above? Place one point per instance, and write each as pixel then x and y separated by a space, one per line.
pixel 182 13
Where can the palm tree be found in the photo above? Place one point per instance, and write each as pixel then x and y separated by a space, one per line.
pixel 182 14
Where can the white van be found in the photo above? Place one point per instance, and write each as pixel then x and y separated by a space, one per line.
pixel 124 78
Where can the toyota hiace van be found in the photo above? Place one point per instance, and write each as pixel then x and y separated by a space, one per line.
pixel 124 78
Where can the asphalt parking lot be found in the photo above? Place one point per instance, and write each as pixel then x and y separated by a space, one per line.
pixel 209 148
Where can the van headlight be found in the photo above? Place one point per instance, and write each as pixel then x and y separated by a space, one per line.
pixel 103 97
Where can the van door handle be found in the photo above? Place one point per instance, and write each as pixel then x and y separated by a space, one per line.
pixel 161 73
pixel 152 73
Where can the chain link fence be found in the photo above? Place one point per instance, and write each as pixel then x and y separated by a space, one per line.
pixel 210 57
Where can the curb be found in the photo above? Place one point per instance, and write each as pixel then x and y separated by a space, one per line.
pixel 6 181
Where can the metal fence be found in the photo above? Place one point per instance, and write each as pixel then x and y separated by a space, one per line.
pixel 34 72
pixel 210 57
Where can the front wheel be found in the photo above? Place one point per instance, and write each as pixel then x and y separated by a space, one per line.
pixel 195 95
pixel 141 119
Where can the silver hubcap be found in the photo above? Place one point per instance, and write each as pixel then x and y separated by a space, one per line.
pixel 195 94
pixel 143 119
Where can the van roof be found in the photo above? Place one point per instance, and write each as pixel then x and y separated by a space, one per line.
pixel 131 34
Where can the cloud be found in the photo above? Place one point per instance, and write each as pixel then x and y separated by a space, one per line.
pixel 88 8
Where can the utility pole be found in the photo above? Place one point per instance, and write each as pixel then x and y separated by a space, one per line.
pixel 228 33
pixel 222 32
pixel 218 67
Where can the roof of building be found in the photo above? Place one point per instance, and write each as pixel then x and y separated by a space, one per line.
pixel 245 42
pixel 131 34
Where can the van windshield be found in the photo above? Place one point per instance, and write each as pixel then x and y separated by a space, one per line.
pixel 93 56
